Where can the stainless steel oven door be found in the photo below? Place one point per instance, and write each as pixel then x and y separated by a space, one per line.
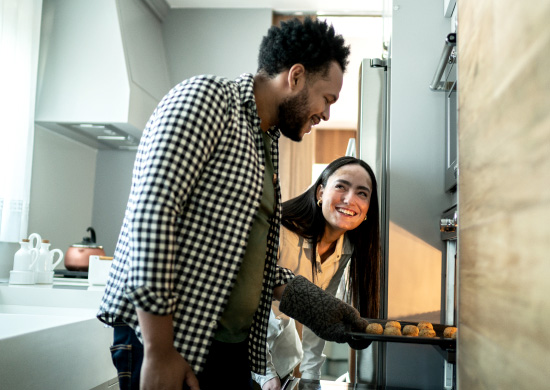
pixel 451 133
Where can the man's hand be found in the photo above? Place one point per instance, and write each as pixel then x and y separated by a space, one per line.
pixel 272 384
pixel 167 370
pixel 163 367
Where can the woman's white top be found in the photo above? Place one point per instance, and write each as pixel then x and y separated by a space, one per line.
pixel 285 349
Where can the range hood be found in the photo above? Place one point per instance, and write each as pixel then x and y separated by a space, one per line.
pixel 102 70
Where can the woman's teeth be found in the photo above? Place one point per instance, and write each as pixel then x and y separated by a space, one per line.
pixel 347 212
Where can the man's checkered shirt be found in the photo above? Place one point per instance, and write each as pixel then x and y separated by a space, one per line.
pixel 196 187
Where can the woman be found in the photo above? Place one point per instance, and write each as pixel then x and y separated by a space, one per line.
pixel 339 213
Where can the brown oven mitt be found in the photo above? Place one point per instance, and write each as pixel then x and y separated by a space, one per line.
pixel 327 316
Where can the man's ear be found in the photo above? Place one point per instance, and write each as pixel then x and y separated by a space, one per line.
pixel 296 76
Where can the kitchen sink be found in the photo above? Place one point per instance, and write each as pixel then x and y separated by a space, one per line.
pixel 25 309
pixel 53 338
pixel 50 296
pixel 16 324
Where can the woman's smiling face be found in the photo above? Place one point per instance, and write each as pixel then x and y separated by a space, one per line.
pixel 346 198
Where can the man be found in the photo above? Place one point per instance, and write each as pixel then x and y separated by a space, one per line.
pixel 195 269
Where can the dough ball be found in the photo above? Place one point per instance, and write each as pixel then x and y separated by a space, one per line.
pixel 374 328
pixel 449 332
pixel 426 333
pixel 425 325
pixel 392 331
pixel 393 324
pixel 410 330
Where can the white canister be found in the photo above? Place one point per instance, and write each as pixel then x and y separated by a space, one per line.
pixel 98 271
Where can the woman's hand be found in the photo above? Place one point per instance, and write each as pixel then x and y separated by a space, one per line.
pixel 272 384
pixel 328 317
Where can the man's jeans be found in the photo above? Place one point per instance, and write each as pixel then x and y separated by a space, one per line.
pixel 226 366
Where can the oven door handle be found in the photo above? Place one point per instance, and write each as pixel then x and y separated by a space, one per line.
pixel 450 43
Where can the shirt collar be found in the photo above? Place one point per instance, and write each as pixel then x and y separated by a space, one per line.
pixel 343 245
pixel 245 83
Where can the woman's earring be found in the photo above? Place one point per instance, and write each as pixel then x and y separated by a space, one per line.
pixel 319 202
pixel 365 218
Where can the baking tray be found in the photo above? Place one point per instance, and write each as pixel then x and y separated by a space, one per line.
pixel 439 340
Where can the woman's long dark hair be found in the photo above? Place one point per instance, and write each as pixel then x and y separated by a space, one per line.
pixel 302 216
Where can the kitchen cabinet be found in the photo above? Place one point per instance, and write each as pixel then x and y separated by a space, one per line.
pixel 504 138
pixel 144 47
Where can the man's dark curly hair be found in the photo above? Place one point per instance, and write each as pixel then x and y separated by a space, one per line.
pixel 312 43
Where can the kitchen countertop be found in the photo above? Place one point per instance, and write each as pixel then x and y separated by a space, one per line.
pixel 50 337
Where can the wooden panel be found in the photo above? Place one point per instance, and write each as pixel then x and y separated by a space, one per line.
pixel 280 17
pixel 504 194
pixel 295 165
pixel 331 144
pixel 297 158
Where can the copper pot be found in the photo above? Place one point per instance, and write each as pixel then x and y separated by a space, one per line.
pixel 77 257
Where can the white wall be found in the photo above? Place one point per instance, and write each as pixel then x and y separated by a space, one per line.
pixel 62 188
pixel 223 42
pixel 73 187
pixel 112 187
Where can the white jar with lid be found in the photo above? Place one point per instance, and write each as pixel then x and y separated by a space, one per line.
pixel 24 262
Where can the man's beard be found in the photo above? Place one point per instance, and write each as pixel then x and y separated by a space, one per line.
pixel 292 115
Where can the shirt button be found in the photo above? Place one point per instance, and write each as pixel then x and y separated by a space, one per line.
pixel 212 324
pixel 243 243
pixel 228 282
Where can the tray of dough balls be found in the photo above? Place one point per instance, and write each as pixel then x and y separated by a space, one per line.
pixel 422 332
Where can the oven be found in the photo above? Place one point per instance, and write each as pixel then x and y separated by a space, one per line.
pixel 445 81
pixel 451 125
